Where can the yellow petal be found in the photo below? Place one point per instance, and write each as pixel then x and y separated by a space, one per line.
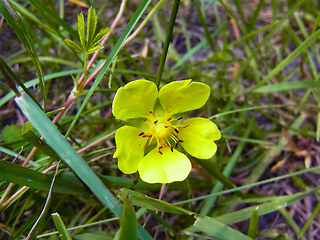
pixel 183 96
pixel 135 100
pixel 130 148
pixel 170 166
pixel 199 136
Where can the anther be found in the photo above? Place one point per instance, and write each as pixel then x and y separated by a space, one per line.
pixel 160 147
pixel 160 151
pixel 171 148
pixel 141 134
pixel 146 146
pixel 155 122
pixel 185 126
pixel 176 130
pixel 145 136
pixel 169 119
pixel 180 140
pixel 176 145
pixel 179 118
pixel 166 126
pixel 145 119
pixel 151 112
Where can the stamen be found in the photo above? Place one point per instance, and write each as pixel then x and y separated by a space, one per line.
pixel 167 141
pixel 155 122
pixel 180 140
pixel 179 118
pixel 159 151
pixel 169 119
pixel 176 144
pixel 160 147
pixel 141 134
pixel 176 130
pixel 171 148
pixel 173 137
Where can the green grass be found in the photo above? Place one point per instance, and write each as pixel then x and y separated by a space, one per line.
pixel 261 60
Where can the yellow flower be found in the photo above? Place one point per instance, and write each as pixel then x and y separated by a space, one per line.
pixel 156 128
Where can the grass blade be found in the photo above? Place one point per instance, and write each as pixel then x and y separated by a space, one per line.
pixel 63 232
pixel 217 229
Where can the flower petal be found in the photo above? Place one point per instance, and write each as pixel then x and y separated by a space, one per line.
pixel 130 148
pixel 198 137
pixel 135 99
pixel 164 168
pixel 183 96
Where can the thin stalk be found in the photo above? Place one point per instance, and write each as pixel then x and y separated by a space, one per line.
pixel 172 20
pixel 85 70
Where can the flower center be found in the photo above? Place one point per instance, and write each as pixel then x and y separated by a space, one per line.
pixel 162 131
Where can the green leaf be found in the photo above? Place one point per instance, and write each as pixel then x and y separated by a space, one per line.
pixel 100 35
pixel 73 45
pixel 91 26
pixel 128 224
pixel 218 230
pixel 253 225
pixel 11 134
pixel 81 32
pixel 94 49
pixel 23 176
pixel 61 227
pixel 147 202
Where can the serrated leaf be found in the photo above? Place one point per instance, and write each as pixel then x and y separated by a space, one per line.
pixel 81 32
pixel 100 36
pixel 91 25
pixel 73 45
pixel 94 49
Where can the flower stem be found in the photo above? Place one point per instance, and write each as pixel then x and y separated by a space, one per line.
pixel 172 20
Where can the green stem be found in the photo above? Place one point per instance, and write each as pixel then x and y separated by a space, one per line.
pixel 85 71
pixel 172 20
pixel 204 25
